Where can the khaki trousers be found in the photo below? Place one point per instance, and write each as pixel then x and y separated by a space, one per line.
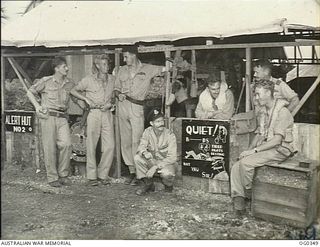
pixel 131 121
pixel 56 146
pixel 142 166
pixel 99 124
pixel 243 170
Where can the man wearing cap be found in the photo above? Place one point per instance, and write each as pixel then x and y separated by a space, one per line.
pixel 98 89
pixel 131 86
pixel 272 145
pixel 216 101
pixel 55 96
pixel 156 154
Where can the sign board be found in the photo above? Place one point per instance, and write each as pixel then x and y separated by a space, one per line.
pixel 205 147
pixel 19 121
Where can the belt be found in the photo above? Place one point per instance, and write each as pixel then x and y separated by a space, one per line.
pixel 58 114
pixel 135 101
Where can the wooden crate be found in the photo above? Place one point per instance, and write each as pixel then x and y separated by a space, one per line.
pixel 286 193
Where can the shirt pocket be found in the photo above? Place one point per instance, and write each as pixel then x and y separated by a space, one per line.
pixel 52 93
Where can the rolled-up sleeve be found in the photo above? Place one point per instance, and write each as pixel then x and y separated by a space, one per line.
pixel 283 122
pixel 82 85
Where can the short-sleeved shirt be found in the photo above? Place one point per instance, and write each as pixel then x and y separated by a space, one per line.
pixel 136 86
pixel 282 90
pixel 54 94
pixel 97 90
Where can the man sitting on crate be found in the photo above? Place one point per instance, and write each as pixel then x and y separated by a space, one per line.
pixel 156 154
pixel 273 145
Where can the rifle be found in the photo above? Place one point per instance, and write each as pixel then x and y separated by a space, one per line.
pixel 42 112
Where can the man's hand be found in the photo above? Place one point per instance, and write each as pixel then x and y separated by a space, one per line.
pixel 147 155
pixel 247 153
pixel 106 107
pixel 151 171
pixel 90 103
pixel 42 112
pixel 121 97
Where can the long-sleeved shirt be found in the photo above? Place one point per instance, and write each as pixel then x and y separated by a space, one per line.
pixel 226 111
pixel 162 148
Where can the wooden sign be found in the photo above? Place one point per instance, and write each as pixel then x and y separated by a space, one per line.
pixel 205 147
pixel 19 121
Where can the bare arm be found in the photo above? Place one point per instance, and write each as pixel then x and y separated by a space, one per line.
pixel 293 103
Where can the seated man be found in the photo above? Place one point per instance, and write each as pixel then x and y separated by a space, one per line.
pixel 273 145
pixel 157 153
pixel 216 101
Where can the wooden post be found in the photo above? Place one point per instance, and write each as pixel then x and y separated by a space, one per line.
pixel 37 144
pixel 306 95
pixel 194 82
pixel 3 133
pixel 167 107
pixel 117 129
pixel 248 78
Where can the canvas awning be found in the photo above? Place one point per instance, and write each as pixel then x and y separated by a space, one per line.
pixel 91 23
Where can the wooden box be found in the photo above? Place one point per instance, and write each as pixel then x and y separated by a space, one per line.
pixel 286 193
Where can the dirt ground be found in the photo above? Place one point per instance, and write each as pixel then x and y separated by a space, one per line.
pixel 30 209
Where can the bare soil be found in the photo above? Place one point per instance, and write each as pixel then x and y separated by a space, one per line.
pixel 30 209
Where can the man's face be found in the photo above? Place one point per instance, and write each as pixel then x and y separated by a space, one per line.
pixel 263 96
pixel 158 124
pixel 214 89
pixel 129 58
pixel 260 73
pixel 62 69
pixel 103 66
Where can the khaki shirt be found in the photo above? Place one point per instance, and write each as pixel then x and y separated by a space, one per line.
pixel 282 90
pixel 97 90
pixel 136 86
pixel 54 95
pixel 163 148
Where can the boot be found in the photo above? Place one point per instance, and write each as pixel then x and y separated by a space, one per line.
pixel 147 187
pixel 131 180
pixel 239 205
pixel 168 189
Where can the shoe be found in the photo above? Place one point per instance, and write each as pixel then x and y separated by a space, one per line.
pixel 55 184
pixel 130 179
pixel 93 182
pixel 65 181
pixel 168 189
pixel 134 182
pixel 148 187
pixel 239 204
pixel 106 181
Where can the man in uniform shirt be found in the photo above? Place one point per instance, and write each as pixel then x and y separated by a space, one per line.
pixel 216 101
pixel 272 145
pixel 156 154
pixel 98 89
pixel 55 96
pixel 131 86
pixel 262 70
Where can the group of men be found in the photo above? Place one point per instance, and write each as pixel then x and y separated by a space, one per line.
pixel 153 152
pixel 154 156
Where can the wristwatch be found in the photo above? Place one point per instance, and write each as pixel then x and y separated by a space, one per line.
pixel 255 150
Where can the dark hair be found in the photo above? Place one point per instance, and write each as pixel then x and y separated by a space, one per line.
pixel 178 84
pixel 58 61
pixel 213 78
pixel 155 114
pixel 266 84
pixel 130 49
pixel 264 63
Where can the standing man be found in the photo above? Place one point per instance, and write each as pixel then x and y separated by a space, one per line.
pixel 157 153
pixel 55 96
pixel 262 71
pixel 216 101
pixel 98 89
pixel 272 145
pixel 131 86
